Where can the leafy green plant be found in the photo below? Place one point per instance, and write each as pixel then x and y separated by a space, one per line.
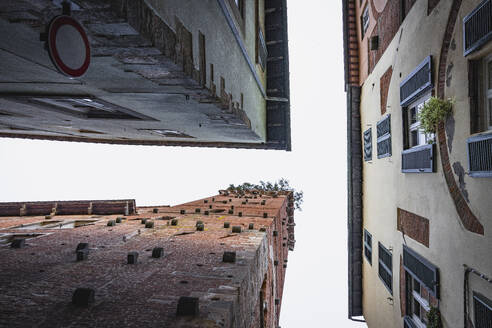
pixel 434 318
pixel 434 111
pixel 280 185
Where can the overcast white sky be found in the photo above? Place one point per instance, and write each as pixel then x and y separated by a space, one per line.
pixel 315 293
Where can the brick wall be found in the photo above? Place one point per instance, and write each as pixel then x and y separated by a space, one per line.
pixel 384 83
pixel 124 206
pixel 413 225
pixel 37 280
pixel 353 45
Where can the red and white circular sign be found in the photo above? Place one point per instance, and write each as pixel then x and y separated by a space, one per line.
pixel 68 46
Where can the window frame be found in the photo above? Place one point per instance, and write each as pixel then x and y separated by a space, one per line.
pixel 368 246
pixel 422 137
pixel 381 263
pixel 487 94
pixel 414 297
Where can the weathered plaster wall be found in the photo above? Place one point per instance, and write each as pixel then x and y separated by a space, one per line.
pixel 222 50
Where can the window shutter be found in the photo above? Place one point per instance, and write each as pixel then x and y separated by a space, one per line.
pixel 422 270
pixel 384 137
pixel 477 27
pixel 368 246
pixel 385 267
pixel 482 307
pixel 477 114
pixel 417 82
pixel 480 155
pixel 368 144
pixel 418 159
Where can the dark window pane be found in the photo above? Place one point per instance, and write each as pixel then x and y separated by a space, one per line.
pixel 416 308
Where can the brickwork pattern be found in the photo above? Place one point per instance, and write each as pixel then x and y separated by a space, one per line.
pixel 384 83
pixel 469 220
pixel 387 25
pixel 413 225
pixel 37 281
pixel 353 45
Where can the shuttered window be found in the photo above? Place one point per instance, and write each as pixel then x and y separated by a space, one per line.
pixel 384 137
pixel 385 267
pixel 416 83
pixel 418 159
pixel 477 27
pixel 368 246
pixel 482 308
pixel 421 270
pixel 480 155
pixel 368 144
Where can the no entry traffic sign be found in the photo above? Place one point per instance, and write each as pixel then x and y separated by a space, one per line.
pixel 68 46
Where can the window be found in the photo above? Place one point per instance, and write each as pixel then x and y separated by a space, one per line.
pixel 488 90
pixel 364 21
pixel 385 267
pixel 480 93
pixel 482 308
pixel 417 301
pixel 421 287
pixel 368 246
pixel 415 136
pixel 368 144
pixel 383 128
pixel 418 153
pixel 261 52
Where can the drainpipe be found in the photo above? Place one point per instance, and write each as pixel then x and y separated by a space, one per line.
pixel 465 296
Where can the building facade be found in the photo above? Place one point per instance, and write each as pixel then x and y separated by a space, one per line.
pixel 214 262
pixel 208 73
pixel 420 225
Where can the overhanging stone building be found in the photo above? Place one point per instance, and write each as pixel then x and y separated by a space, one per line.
pixel 208 73
pixel 214 262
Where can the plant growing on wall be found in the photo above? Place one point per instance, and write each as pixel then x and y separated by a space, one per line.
pixel 280 185
pixel 434 111
pixel 434 318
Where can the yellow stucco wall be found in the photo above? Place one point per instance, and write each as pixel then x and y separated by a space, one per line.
pixel 385 188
